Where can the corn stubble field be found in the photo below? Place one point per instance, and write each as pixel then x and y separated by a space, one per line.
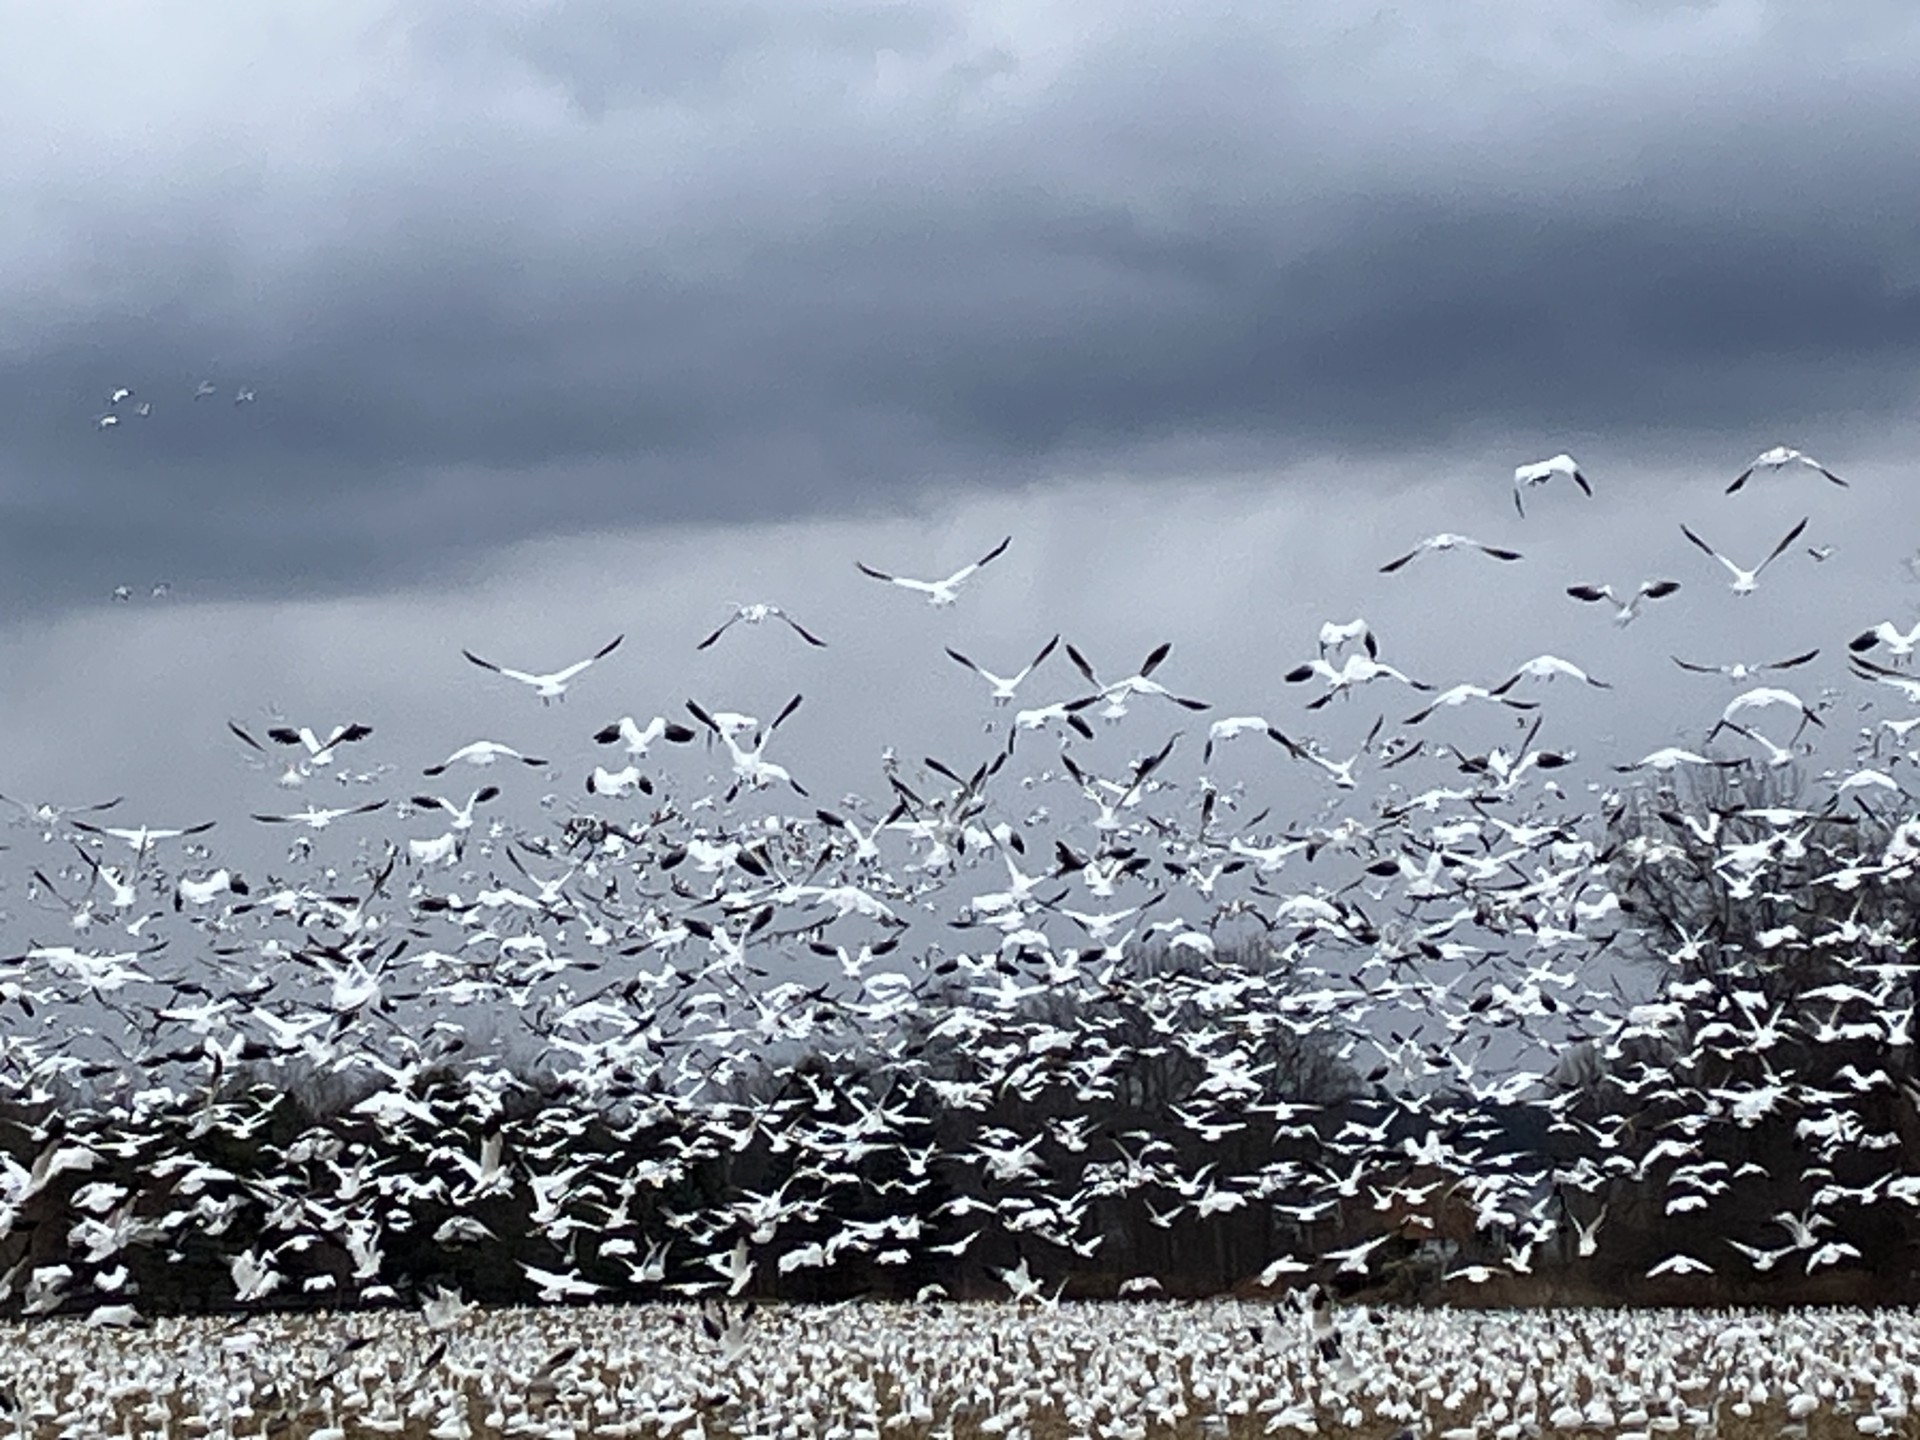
pixel 1228 1368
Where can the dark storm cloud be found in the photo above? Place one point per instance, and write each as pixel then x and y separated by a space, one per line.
pixel 541 268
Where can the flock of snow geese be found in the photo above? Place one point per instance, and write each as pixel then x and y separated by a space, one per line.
pixel 698 959
pixel 1117 1371
pixel 123 404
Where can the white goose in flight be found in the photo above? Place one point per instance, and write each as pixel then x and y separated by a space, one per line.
pixel 319 752
pixel 460 817
pixel 1763 697
pixel 759 615
pixel 315 817
pixel 47 814
pixel 1549 668
pixel 1116 693
pixel 1900 643
pixel 1004 686
pixel 1740 672
pixel 1458 695
pixel 1671 757
pixel 1541 471
pixel 938 592
pixel 553 685
pixel 1235 726
pixel 639 739
pixel 1356 669
pixel 750 767
pixel 1778 458
pixel 479 754
pixel 1744 581
pixel 142 840
pixel 1625 611
pixel 1336 635
pixel 1435 544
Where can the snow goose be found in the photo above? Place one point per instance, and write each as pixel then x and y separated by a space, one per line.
pixel 1355 669
pixel 1232 728
pixel 1907 685
pixel 750 767
pixel 1671 757
pixel 552 685
pixel 1628 610
pixel 142 840
pixel 319 752
pixel 49 815
pixel 1745 581
pixel 1004 686
pixel 1458 695
pixel 481 753
pixel 460 816
pixel 1436 544
pixel 938 592
pixel 315 817
pixel 1336 635
pixel 1763 697
pixel 1778 458
pixel 639 739
pixel 1116 693
pixel 1548 668
pixel 1739 671
pixel 1540 472
pixel 1900 643
pixel 759 615
pixel 1061 712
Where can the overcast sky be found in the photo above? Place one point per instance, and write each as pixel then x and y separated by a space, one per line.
pixel 571 319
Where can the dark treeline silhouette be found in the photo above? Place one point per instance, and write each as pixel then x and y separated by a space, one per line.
pixel 1778 928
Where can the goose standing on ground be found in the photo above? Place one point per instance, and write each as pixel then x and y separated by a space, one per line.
pixel 1541 471
pixel 1744 581
pixel 759 615
pixel 1434 544
pixel 1778 458
pixel 553 685
pixel 938 592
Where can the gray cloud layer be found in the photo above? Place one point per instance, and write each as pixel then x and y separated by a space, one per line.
pixel 508 270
